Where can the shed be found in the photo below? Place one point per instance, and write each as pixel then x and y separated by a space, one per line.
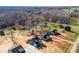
pixel 66 27
pixel 2 33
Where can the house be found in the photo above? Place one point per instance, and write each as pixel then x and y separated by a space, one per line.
pixel 36 42
pixel 53 32
pixel 17 49
pixel 46 37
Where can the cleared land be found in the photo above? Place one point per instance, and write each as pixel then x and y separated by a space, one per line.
pixel 59 44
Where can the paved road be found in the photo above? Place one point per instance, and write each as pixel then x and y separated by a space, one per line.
pixel 74 47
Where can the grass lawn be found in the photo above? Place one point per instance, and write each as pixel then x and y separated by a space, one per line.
pixel 77 50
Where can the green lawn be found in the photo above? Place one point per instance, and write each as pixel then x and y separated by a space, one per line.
pixel 75 29
pixel 77 50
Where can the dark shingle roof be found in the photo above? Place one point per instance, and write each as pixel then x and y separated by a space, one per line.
pixel 17 49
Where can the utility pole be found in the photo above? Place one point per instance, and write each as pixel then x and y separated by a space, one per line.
pixel 12 37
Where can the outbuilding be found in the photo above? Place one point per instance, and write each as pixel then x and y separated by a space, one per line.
pixel 2 33
pixel 66 27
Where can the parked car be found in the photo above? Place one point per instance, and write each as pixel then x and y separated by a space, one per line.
pixel 36 42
